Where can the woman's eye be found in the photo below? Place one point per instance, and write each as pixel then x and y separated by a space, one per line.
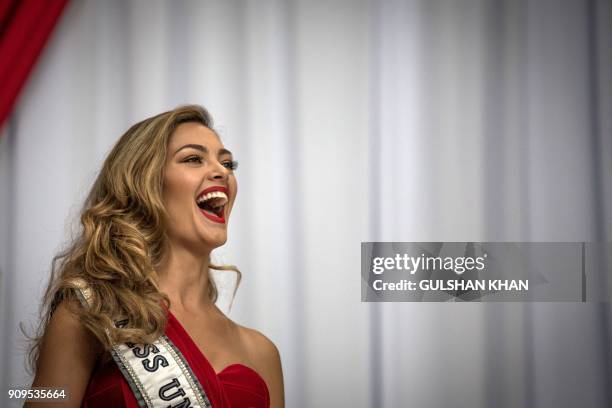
pixel 231 165
pixel 193 159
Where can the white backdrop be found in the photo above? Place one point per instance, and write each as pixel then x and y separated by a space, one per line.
pixel 352 121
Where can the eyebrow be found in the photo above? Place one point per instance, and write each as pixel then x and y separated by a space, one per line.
pixel 201 148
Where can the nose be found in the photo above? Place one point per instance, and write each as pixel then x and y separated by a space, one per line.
pixel 218 171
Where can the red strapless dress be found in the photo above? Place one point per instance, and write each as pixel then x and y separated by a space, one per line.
pixel 235 386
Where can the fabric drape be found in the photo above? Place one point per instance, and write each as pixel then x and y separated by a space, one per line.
pixel 25 27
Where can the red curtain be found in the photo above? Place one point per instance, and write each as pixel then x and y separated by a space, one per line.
pixel 25 27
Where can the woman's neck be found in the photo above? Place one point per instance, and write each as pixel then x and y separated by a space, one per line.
pixel 183 276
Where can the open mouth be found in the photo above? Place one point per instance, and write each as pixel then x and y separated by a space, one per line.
pixel 212 202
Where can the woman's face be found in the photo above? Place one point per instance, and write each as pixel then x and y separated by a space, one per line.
pixel 199 188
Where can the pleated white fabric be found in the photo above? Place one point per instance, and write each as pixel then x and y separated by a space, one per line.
pixel 352 121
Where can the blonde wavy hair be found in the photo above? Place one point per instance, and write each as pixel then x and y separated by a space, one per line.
pixel 122 240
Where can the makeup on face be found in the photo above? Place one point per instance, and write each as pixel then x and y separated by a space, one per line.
pixel 212 201
pixel 199 186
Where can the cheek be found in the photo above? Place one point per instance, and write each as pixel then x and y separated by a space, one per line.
pixel 177 195
pixel 234 186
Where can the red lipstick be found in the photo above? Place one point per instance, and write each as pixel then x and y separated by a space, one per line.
pixel 211 216
pixel 211 189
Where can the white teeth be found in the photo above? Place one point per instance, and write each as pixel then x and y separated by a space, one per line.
pixel 213 194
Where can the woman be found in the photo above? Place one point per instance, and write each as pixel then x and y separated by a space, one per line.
pixel 130 315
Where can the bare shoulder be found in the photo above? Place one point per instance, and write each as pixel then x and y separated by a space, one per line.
pixel 67 355
pixel 259 343
pixel 267 359
pixel 66 334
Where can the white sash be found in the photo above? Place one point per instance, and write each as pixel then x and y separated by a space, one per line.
pixel 157 373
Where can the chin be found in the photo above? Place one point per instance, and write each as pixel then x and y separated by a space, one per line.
pixel 215 242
